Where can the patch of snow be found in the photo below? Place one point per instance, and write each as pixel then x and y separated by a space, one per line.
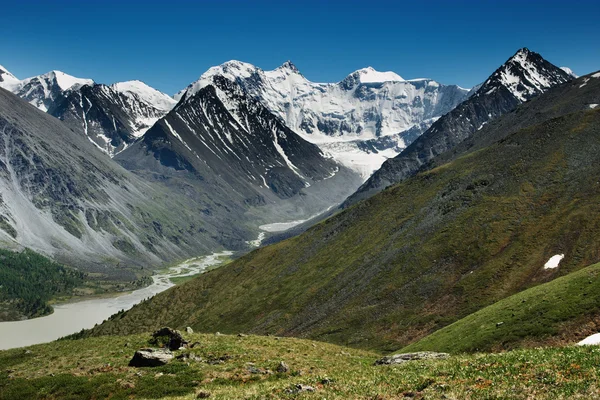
pixel 256 242
pixel 284 226
pixel 554 261
pixel 596 75
pixel 592 106
pixel 590 340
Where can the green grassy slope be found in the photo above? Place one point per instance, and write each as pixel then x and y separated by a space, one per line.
pixel 564 310
pixel 416 257
pixel 233 367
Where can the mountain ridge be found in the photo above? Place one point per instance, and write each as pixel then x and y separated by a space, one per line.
pixel 523 76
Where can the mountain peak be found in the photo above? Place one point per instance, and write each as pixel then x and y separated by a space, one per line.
pixel 145 93
pixel 288 65
pixel 370 75
pixel 7 80
pixel 66 81
pixel 569 71
pixel 524 75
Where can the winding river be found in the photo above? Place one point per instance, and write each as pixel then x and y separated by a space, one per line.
pixel 72 317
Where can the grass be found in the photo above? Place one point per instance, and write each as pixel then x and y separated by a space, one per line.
pixel 245 368
pixel 566 309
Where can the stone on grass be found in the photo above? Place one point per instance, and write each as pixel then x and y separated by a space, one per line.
pixel 300 388
pixel 406 357
pixel 189 330
pixel 151 358
pixel 174 338
pixel 283 368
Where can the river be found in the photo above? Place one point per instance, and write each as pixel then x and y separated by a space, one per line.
pixel 72 317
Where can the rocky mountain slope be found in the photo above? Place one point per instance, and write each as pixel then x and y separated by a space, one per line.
pixel 112 117
pixel 422 254
pixel 77 205
pixel 362 120
pixel 223 141
pixel 522 77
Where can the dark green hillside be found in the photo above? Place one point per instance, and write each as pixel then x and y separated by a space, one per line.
pixel 562 311
pixel 29 280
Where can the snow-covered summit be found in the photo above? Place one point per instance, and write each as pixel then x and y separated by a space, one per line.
pixel 144 93
pixel 42 90
pixel 232 70
pixel 7 80
pixel 288 65
pixel 570 72
pixel 370 75
pixel 64 81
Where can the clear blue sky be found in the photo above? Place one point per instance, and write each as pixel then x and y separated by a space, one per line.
pixel 168 44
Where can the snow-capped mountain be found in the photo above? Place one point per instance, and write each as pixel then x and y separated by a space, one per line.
pixel 523 76
pixel 378 107
pixel 112 116
pixel 44 90
pixel 569 71
pixel 7 80
pixel 142 93
pixel 62 197
pixel 223 140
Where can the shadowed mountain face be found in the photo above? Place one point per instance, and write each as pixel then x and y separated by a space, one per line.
pixel 64 198
pixel 228 144
pixel 523 76
pixel 424 253
pixel 110 116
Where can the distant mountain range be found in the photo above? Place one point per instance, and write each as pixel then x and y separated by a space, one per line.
pixel 361 121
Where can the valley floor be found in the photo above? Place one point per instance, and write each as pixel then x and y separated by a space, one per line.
pixel 245 367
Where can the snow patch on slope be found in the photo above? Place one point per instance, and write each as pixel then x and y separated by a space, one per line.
pixel 554 261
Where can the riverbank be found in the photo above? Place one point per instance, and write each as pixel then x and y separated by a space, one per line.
pixel 73 316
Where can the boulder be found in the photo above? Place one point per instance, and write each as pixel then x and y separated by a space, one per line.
pixel 189 330
pixel 283 368
pixel 405 357
pixel 174 339
pixel 151 358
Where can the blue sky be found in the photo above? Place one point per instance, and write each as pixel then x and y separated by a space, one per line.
pixel 168 44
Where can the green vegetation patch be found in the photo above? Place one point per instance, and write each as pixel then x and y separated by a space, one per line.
pixel 29 280
pixel 543 313
pixel 245 367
